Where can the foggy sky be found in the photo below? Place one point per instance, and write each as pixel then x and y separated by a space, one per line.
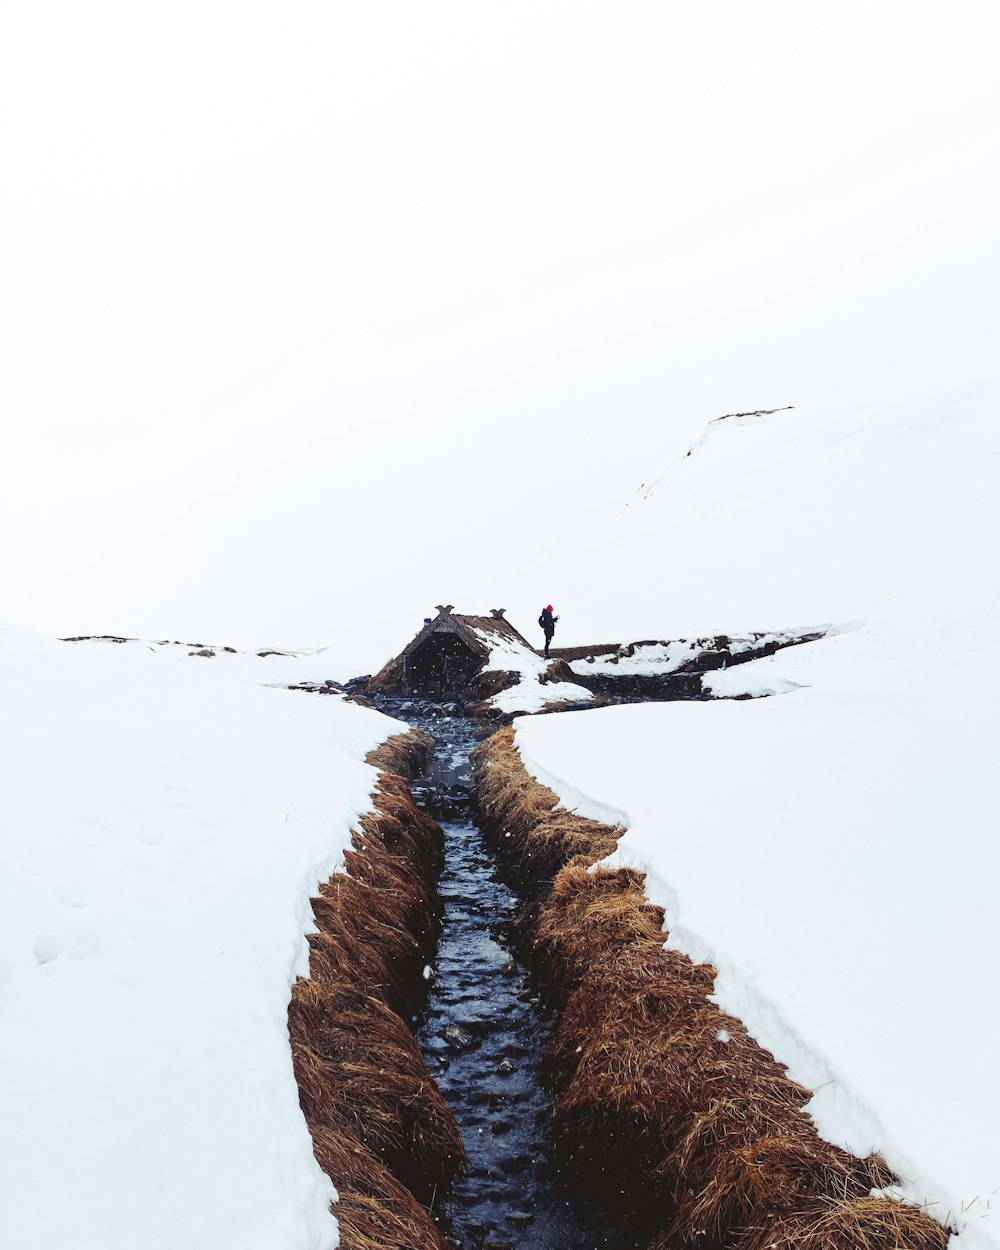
pixel 314 316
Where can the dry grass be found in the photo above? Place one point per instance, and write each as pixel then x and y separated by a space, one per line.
pixel 378 921
pixel 731 1121
pixel 868 1223
pixel 380 1127
pixel 637 1055
pixel 388 680
pixel 375 1211
pixel 404 755
pixel 768 1177
pixel 532 834
pixel 357 1062
pixel 490 682
pixel 666 1106
pixel 384 1224
pixel 590 913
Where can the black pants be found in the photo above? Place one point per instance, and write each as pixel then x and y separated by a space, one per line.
pixel 548 643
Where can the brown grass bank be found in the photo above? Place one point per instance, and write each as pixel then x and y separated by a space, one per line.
pixel 380 1128
pixel 533 835
pixel 666 1108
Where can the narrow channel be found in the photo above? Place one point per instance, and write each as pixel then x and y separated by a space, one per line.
pixel 482 1033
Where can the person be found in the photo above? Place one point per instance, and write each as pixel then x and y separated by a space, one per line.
pixel 548 624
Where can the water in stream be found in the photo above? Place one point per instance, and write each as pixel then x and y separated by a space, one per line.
pixel 482 1034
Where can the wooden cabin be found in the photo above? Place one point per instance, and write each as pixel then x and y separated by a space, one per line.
pixel 446 655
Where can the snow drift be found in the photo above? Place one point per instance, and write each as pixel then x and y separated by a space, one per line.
pixel 166 819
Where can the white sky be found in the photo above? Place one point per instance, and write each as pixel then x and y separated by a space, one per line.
pixel 281 284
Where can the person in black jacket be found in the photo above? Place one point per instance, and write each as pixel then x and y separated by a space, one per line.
pixel 548 624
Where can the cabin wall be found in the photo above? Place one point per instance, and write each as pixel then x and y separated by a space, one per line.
pixel 442 662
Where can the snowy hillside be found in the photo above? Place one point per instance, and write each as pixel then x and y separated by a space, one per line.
pixel 166 818
pixel 831 849
pixel 877 501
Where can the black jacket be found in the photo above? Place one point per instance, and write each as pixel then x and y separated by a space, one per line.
pixel 547 622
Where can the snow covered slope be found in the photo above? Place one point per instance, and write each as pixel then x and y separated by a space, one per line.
pixel 165 820
pixel 833 849
pixel 658 659
pixel 877 501
pixel 533 692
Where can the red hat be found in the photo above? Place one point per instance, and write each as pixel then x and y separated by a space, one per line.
pixel 548 607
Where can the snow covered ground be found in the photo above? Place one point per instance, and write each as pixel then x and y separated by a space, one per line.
pixel 531 693
pixel 832 849
pixel 269 666
pixel 658 659
pixel 165 819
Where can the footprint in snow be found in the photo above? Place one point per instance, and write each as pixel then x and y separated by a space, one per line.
pixel 73 894
pixel 69 946
pixel 137 863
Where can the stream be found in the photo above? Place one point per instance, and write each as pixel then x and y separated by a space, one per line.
pixel 481 1032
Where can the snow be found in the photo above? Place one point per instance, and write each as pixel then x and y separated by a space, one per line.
pixel 271 666
pixel 877 501
pixel 530 694
pixel 657 659
pixel 165 820
pixel 833 850
pixel 828 844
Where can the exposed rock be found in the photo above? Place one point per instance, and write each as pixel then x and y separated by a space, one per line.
pixel 458 1039
pixel 520 1219
pixel 558 670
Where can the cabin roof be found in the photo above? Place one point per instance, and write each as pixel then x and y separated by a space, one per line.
pixel 474 631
